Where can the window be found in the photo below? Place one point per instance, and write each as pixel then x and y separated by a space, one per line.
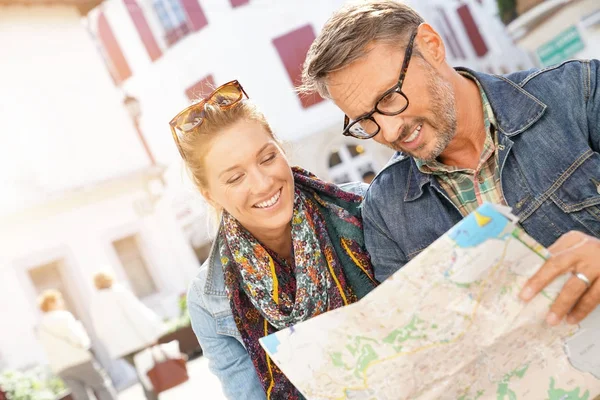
pixel 350 163
pixel 135 266
pixel 368 175
pixel 334 159
pixel 356 151
pixel 292 48
pixel 143 29
pixel 172 18
pixel 179 18
pixel 52 276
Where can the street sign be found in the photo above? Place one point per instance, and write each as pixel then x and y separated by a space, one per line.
pixel 563 46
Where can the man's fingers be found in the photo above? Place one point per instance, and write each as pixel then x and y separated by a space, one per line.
pixel 574 252
pixel 567 242
pixel 586 304
pixel 552 268
pixel 567 298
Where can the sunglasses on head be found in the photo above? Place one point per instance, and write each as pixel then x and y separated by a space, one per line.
pixel 191 117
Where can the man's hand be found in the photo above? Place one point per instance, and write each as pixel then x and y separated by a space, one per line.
pixel 579 254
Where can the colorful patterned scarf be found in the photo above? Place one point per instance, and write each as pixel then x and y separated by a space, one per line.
pixel 331 269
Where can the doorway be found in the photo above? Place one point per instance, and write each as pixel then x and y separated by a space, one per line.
pixel 53 276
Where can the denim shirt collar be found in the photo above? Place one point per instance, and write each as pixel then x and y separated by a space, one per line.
pixel 215 278
pixel 515 111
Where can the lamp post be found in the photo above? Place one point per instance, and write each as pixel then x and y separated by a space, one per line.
pixel 135 111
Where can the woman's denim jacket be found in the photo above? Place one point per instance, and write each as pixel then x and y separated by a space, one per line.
pixel 548 126
pixel 212 321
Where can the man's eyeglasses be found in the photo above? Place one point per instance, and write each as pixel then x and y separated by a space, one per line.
pixel 392 102
pixel 224 97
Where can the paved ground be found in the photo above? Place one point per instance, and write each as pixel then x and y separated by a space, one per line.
pixel 202 385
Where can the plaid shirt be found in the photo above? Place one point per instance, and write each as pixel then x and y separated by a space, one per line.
pixel 468 188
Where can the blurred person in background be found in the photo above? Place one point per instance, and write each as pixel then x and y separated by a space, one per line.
pixel 289 246
pixel 123 323
pixel 529 140
pixel 67 346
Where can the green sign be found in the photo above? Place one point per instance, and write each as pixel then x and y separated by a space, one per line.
pixel 562 47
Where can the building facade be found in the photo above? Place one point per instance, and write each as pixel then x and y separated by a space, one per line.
pixel 168 52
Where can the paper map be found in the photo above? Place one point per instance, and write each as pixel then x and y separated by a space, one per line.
pixel 448 325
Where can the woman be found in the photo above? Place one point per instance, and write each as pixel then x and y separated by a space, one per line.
pixel 67 346
pixel 123 323
pixel 289 246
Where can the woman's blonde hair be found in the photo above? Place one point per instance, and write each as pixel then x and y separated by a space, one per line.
pixel 49 299
pixel 195 144
pixel 103 280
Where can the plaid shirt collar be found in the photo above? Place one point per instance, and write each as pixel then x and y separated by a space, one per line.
pixel 435 167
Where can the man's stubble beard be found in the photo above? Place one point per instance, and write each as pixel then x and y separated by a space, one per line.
pixel 443 108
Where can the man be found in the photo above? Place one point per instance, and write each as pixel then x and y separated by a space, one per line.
pixel 529 140
pixel 67 346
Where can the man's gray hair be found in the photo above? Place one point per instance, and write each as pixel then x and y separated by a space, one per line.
pixel 347 33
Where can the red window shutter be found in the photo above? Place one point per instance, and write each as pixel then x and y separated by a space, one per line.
pixel 201 89
pixel 143 29
pixel 195 14
pixel 292 48
pixel 475 37
pixel 176 34
pixel 118 64
pixel 452 36
pixel 237 3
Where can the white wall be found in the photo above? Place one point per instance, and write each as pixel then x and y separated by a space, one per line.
pixel 62 123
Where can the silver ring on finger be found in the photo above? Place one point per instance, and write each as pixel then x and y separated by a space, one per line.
pixel 582 278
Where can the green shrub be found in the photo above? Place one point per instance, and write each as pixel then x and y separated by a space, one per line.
pixel 34 384
pixel 507 10
pixel 183 319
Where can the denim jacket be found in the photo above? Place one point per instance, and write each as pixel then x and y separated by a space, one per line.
pixel 548 124
pixel 213 323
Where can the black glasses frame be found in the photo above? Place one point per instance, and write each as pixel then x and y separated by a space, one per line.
pixel 397 88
